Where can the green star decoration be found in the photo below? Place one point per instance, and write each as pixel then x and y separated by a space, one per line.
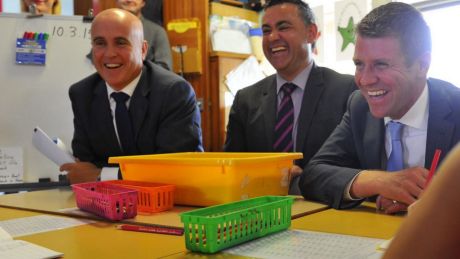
pixel 347 33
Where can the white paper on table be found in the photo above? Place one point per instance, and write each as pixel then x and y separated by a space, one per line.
pixel 20 249
pixel 309 244
pixel 53 149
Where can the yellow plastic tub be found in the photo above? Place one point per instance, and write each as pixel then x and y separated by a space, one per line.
pixel 212 178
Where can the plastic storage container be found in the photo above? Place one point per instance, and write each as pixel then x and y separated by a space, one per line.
pixel 208 178
pixel 106 200
pixel 212 229
pixel 151 197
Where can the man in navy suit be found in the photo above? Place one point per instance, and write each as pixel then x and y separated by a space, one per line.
pixel 392 58
pixel 162 107
pixel 319 99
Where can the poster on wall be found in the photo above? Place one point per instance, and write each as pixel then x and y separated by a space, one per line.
pixel 318 48
pixel 347 15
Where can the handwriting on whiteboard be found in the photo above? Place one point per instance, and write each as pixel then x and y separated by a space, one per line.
pixel 11 165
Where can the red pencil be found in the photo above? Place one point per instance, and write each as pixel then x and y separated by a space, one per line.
pixel 434 164
pixel 152 229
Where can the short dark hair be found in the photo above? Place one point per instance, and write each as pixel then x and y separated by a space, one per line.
pixel 402 21
pixel 305 11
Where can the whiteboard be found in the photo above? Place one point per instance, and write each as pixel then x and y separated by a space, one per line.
pixel 32 95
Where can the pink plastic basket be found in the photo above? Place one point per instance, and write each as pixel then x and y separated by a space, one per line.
pixel 106 200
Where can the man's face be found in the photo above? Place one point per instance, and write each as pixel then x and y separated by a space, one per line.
pixel 389 85
pixel 43 6
pixel 132 6
pixel 285 39
pixel 118 49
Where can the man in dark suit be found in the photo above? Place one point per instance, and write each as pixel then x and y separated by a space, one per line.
pixel 159 49
pixel 319 98
pixel 163 115
pixel 392 58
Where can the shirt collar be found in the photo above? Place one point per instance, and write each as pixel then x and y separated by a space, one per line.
pixel 417 116
pixel 128 89
pixel 300 80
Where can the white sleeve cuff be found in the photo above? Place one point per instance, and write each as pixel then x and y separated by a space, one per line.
pixel 109 173
pixel 346 193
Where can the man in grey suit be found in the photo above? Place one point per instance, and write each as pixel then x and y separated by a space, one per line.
pixel 392 58
pixel 319 98
pixel 159 49
pixel 162 111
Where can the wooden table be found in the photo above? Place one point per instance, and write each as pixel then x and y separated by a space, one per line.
pixel 100 240
pixel 62 202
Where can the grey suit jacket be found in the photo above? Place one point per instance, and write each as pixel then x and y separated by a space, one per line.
pixel 253 114
pixel 163 110
pixel 159 49
pixel 358 143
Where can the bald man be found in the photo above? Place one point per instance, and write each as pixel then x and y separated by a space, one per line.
pixel 163 114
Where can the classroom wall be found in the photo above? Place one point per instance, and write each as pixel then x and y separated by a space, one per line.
pixel 37 95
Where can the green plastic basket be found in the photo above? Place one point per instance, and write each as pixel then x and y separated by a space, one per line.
pixel 212 229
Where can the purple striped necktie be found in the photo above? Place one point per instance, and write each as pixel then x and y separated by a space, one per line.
pixel 285 121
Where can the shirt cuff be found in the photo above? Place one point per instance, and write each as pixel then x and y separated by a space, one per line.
pixel 109 173
pixel 346 193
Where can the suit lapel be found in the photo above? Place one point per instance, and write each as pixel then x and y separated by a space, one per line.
pixel 101 118
pixel 310 100
pixel 374 150
pixel 440 129
pixel 268 109
pixel 139 103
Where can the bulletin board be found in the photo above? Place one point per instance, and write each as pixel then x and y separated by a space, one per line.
pixel 37 95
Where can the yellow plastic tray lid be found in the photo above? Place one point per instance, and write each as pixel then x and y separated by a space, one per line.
pixel 207 158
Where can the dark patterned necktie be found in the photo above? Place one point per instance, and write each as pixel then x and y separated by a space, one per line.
pixel 123 122
pixel 285 121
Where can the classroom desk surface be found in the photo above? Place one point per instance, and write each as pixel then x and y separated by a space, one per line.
pixel 61 201
pixel 100 240
pixel 362 221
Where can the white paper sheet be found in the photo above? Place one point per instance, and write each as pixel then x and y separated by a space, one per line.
pixel 54 149
pixel 37 224
pixel 19 249
pixel 308 244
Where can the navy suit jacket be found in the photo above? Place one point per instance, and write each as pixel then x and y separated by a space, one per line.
pixel 163 111
pixel 252 117
pixel 358 143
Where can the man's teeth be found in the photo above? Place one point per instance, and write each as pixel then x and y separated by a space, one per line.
pixel 376 93
pixel 278 49
pixel 112 65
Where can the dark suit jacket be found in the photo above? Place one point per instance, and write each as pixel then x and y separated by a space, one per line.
pixel 163 110
pixel 159 50
pixel 253 114
pixel 359 143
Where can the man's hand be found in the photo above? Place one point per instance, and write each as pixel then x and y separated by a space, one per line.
pixel 390 206
pixel 294 171
pixel 403 186
pixel 80 172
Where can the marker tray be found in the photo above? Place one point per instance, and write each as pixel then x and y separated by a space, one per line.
pixel 106 200
pixel 151 197
pixel 211 229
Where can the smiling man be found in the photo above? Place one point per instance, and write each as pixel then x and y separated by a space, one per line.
pixel 394 123
pixel 130 106
pixel 296 109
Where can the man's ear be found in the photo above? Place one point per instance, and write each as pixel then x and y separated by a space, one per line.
pixel 424 62
pixel 145 47
pixel 312 33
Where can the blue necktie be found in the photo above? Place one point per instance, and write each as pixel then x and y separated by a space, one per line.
pixel 285 121
pixel 395 161
pixel 123 121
